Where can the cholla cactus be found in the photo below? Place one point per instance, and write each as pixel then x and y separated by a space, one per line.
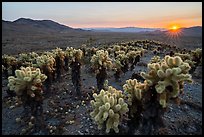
pixel 120 59
pixel 167 75
pixel 187 58
pixel 197 56
pixel 9 62
pixel 134 89
pixel 25 59
pixel 48 53
pixel 46 60
pixel 27 79
pixel 119 52
pixel 116 48
pixel 197 52
pixel 133 57
pixel 76 54
pixel 69 51
pixel 109 107
pixel 101 60
pixel 183 56
pixel 58 52
pixel 155 59
pixel 133 54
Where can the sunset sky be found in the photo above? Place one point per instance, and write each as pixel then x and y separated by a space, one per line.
pixel 108 14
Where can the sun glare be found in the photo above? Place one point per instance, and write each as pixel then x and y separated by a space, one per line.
pixel 174 27
pixel 174 32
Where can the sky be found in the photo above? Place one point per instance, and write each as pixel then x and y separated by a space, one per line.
pixel 108 14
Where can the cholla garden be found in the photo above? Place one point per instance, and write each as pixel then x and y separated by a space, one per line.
pixel 143 102
pixel 140 105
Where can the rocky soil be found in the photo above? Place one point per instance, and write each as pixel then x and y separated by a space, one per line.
pixel 64 114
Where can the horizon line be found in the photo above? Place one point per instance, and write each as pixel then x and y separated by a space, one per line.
pixel 101 27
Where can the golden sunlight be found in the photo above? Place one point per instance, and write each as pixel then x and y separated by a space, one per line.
pixel 174 27
pixel 174 32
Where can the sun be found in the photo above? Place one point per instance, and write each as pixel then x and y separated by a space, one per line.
pixel 174 27
pixel 174 31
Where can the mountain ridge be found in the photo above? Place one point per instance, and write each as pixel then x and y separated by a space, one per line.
pixel 26 25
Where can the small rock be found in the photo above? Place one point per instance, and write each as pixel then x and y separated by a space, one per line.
pixel 11 107
pixel 18 120
pixel 87 130
pixel 172 120
pixel 191 129
pixel 91 127
pixel 80 133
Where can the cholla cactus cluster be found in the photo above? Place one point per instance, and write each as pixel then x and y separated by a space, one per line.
pixel 155 59
pixel 58 52
pixel 109 106
pixel 76 54
pixel 28 58
pixel 133 54
pixel 69 51
pixel 134 89
pixel 197 52
pixel 167 75
pixel 46 60
pixel 120 58
pixel 197 56
pixel 116 48
pixel 186 58
pixel 73 54
pixel 9 59
pixel 101 59
pixel 27 79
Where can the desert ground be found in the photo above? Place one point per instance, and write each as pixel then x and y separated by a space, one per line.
pixel 183 119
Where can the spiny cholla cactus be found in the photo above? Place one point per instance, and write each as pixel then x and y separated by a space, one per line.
pixel 25 59
pixel 69 51
pixel 76 54
pixel 101 60
pixel 9 59
pixel 29 79
pixel 197 56
pixel 167 75
pixel 109 107
pixel 116 48
pixel 197 53
pixel 134 89
pixel 59 53
pixel 133 54
pixel 120 59
pixel 28 58
pixel 155 59
pixel 46 60
pixel 186 58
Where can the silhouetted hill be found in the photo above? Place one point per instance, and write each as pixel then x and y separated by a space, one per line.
pixel 29 26
pixel 192 31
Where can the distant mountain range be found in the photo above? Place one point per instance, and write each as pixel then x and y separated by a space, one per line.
pixel 125 29
pixel 30 26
